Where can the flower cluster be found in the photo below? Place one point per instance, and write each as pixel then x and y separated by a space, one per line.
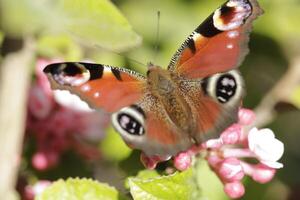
pixel 59 122
pixel 225 155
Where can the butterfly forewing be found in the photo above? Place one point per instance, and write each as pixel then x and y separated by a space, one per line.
pixel 220 43
pixel 101 86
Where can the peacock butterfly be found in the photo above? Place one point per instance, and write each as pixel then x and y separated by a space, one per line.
pixel 168 111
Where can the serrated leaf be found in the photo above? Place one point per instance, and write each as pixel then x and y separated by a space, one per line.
pixel 176 186
pixel 78 189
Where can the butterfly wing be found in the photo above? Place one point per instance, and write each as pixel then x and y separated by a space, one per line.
pixel 216 104
pixel 147 126
pixel 220 43
pixel 101 86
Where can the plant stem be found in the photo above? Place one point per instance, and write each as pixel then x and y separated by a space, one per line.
pixel 14 83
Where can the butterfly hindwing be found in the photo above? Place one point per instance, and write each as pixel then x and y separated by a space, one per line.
pixel 147 126
pixel 101 86
pixel 218 44
pixel 216 105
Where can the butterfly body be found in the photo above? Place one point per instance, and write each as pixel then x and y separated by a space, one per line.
pixel 166 87
pixel 169 110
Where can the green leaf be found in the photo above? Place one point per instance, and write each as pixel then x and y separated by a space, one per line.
pixel 147 174
pixel 98 22
pixel 24 17
pixel 60 46
pixel 113 147
pixel 143 174
pixel 90 22
pixel 210 186
pixel 176 186
pixel 79 189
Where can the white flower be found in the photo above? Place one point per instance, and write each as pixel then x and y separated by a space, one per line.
pixel 65 98
pixel 266 147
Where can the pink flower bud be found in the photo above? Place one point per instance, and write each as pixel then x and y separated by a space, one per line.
pixel 231 170
pixel 246 116
pixel 232 134
pixel 182 161
pixel 234 189
pixel 213 160
pixel 195 149
pixel 262 173
pixel 43 161
pixel 212 144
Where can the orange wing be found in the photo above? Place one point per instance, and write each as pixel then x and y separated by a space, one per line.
pixel 219 43
pixel 101 86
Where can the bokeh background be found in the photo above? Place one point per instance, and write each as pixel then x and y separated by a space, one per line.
pixel 126 35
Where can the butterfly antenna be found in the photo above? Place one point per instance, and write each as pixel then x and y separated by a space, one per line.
pixel 120 54
pixel 157 35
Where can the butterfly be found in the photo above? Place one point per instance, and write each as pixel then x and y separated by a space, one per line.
pixel 168 111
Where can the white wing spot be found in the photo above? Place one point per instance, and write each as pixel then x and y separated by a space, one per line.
pixel 85 88
pixel 97 94
pixel 233 34
pixel 242 10
pixel 229 46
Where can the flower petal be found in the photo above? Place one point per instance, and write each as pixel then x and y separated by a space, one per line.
pixel 274 165
pixel 265 146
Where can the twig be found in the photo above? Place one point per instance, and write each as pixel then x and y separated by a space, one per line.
pixel 14 82
pixel 282 91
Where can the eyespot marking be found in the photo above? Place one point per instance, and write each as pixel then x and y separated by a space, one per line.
pixel 226 87
pixel 129 124
pixel 73 74
pixel 129 121
pixel 232 15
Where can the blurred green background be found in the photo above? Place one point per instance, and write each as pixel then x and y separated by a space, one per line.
pixel 100 33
